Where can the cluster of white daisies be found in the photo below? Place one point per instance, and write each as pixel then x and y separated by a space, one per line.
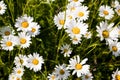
pixel 33 62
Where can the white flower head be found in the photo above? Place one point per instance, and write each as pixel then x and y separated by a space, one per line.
pixel 115 3
pixel 18 71
pixel 117 9
pixel 23 23
pixel 107 32
pixel 88 35
pixel 75 40
pixel 20 60
pixel 78 67
pixel 35 62
pixel 52 76
pixel 8 42
pixel 88 76
pixel 116 75
pixel 61 72
pixel 77 2
pixel 24 40
pixel 106 12
pixel 13 76
pixel 115 48
pixel 3 7
pixel 66 50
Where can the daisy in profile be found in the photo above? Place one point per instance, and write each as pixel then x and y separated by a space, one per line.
pixel 34 29
pixel 6 31
pixel 52 77
pixel 24 40
pixel 115 48
pixel 2 7
pixel 117 9
pixel 116 75
pixel 62 72
pixel 59 20
pixel 114 3
pixel 23 23
pixel 18 71
pixel 107 32
pixel 13 76
pixel 35 62
pixel 106 12
pixel 76 29
pixel 20 60
pixel 82 13
pixel 78 67
pixel 8 42
pixel 88 76
pixel 75 40
pixel 88 35
pixel 66 50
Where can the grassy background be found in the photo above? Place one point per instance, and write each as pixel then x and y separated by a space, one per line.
pixel 48 43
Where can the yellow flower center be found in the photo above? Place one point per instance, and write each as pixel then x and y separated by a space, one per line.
pixel 17 78
pixel 33 30
pixel 105 34
pixel 80 14
pixel 62 72
pixel 8 43
pixel 114 48
pixel 78 66
pixel 7 33
pixel 25 24
pixel 75 0
pixel 21 61
pixel 35 61
pixel 75 30
pixel 19 71
pixel 119 11
pixel 75 39
pixel 65 50
pixel 86 76
pixel 72 8
pixel 0 8
pixel 105 12
pixel 117 77
pixel 53 77
pixel 70 17
pixel 62 22
pixel 23 40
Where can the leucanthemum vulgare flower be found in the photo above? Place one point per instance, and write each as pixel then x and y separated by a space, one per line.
pixel 69 16
pixel 72 7
pixel 2 7
pixel 59 20
pixel 13 76
pixel 20 60
pixel 75 1
pixel 52 76
pixel 76 29
pixel 8 42
pixel 24 40
pixel 62 72
pixel 115 48
pixel 6 31
pixel 88 35
pixel 66 50
pixel 34 29
pixel 117 9
pixel 23 23
pixel 115 3
pixel 75 40
pixel 107 32
pixel 78 67
pixel 88 76
pixel 82 13
pixel 18 71
pixel 35 62
pixel 106 12
pixel 116 75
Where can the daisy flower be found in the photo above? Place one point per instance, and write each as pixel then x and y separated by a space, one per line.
pixel 18 71
pixel 35 62
pixel 107 32
pixel 34 30
pixel 82 13
pixel 75 40
pixel 115 3
pixel 72 7
pixel 6 31
pixel 117 9
pixel 20 60
pixel 76 29
pixel 8 42
pixel 78 67
pixel 62 72
pixel 88 76
pixel 69 16
pixel 88 35
pixel 76 1
pixel 115 48
pixel 106 12
pixel 13 76
pixel 59 20
pixel 24 40
pixel 66 50
pixel 52 77
pixel 2 7
pixel 24 23
pixel 116 75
